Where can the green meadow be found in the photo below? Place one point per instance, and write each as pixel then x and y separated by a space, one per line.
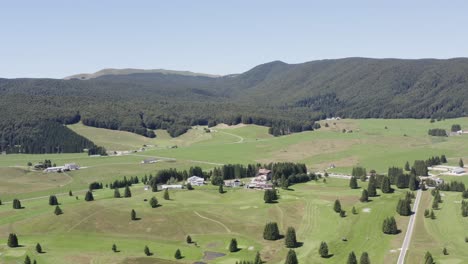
pixel 87 230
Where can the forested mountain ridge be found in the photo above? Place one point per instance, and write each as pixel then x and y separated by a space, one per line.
pixel 286 97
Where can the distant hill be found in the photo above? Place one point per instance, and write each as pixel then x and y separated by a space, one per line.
pixel 286 97
pixel 110 71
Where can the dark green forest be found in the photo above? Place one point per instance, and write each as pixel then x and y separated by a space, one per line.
pixel 287 98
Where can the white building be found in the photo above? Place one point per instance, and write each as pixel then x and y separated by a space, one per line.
pixel 196 181
pixel 458 170
pixel 171 186
pixel 71 166
pixel 233 183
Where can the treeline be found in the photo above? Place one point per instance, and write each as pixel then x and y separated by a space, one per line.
pixel 453 186
pixel 437 132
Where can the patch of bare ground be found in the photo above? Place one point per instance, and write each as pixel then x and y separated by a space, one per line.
pixel 225 126
pixel 339 125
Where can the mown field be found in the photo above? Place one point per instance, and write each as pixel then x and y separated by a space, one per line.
pixel 87 230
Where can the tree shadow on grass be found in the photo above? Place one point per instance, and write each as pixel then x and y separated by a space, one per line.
pixel 328 256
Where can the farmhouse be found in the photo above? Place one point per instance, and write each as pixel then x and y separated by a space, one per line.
pixel 261 180
pixel 196 181
pixel 71 166
pixel 264 172
pixel 233 183
pixel 458 171
pixel 54 169
pixel 66 167
pixel 149 161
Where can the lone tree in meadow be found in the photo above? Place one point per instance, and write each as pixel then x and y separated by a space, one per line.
pixel 220 189
pixel 70 193
pixel 147 251
pixel 364 258
pixel 404 207
pixel 188 239
pixel 127 192
pixel 133 215
pixel 428 259
pixel 323 250
pixel 27 260
pixel 270 196
pixel 17 204
pixel 58 210
pixel 354 211
pixel 290 241
pixel 38 248
pixel 445 251
pixel 364 196
pixel 291 258
pixel 53 200
pixel 154 202
pixel 117 193
pixel 271 231
pixel 353 183
pixel 233 245
pixel 12 240
pixel 389 226
pixel 89 196
pixel 166 194
pixel 114 248
pixel 337 206
pixel 460 163
pixel 352 258
pixel 178 254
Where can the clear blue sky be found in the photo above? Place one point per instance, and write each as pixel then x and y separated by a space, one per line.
pixel 60 38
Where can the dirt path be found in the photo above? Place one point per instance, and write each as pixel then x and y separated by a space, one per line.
pixel 83 220
pixel 167 158
pixel 241 139
pixel 216 221
pixel 409 231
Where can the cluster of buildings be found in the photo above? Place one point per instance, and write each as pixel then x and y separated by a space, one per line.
pixel 262 180
pixel 449 170
pixel 66 167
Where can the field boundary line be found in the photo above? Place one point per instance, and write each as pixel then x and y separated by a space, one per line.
pixel 216 221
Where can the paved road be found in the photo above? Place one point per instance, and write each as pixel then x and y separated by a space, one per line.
pixel 409 231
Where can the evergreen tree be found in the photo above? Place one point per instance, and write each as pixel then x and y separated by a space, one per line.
pixel 127 192
pixel 353 183
pixel 389 226
pixel 178 254
pixel 147 251
pixel 407 166
pixel 12 240
pixel 460 163
pixel 385 187
pixel 233 245
pixel 443 159
pixel 53 200
pixel 337 206
pixel 291 258
pixel 0 202
pixel 34 262
pixel 153 202
pixel 432 215
pixel 435 204
pixel 57 210
pixel 426 213
pixel 220 189
pixel 114 248
pixel 271 231
pixel 17 204
pixel 38 248
pixel 269 196
pixel 133 215
pixel 428 258
pixel 166 194
pixel 258 259
pixel 404 207
pixel 364 258
pixel 372 187
pixel 354 210
pixel 188 239
pixel 70 193
pixel 364 196
pixel 352 258
pixel 116 193
pixel 445 251
pixel 323 250
pixel 290 240
pixel 189 186
pixel 343 213
pixel 412 184
pixel 27 260
pixel 89 196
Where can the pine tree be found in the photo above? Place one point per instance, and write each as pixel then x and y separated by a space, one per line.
pixel 116 193
pixel 34 262
pixel 291 258
pixel 435 204
pixel 290 240
pixel 258 259
pixel 432 215
pixel 38 248
pixel 188 239
pixel 354 210
pixel 386 188
pixel 189 186
pixel 445 251
pixel 353 183
pixel 57 210
pixel 428 258
pixel 372 187
pixel 426 213
pixel 89 196
pixel 343 213
pixel 412 184
pixel 70 193
pixel 133 215
pixel 407 166
pixel 147 251
pixel 178 254
pixel 269 196
pixel 352 258
pixel 389 226
pixel 17 204
pixel 364 258
pixel 127 192
pixel 166 194
pixel 12 241
pixel 323 250
pixel 337 206
pixel 443 159
pixel 233 245
pixel 271 231
pixel 364 196
pixel 220 189
pixel 460 163
pixel 27 260
pixel 53 200
pixel 114 248
pixel 153 202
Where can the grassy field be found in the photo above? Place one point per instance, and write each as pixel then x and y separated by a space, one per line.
pixel 87 230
